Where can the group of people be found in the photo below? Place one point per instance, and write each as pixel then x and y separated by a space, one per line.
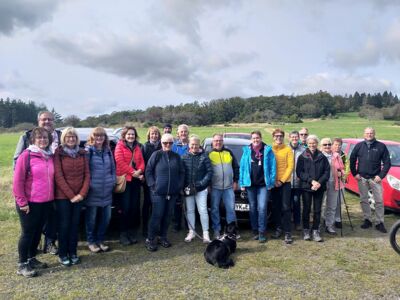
pixel 54 179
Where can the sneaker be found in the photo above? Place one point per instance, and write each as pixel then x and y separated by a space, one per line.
pixel 36 264
pixel 338 224
pixel 26 270
pixel 262 239
pixel 316 236
pixel 206 237
pixel 330 230
pixel 217 234
pixel 150 245
pixel 94 248
pixel 255 235
pixel 124 239
pixel 50 247
pixel 288 238
pixel 103 247
pixel 277 234
pixel 132 237
pixel 367 224
pixel 165 243
pixel 64 261
pixel 381 227
pixel 306 235
pixel 190 236
pixel 75 259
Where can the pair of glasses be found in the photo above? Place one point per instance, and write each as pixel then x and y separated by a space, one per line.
pixel 167 143
pixel 303 134
pixel 326 145
pixel 278 136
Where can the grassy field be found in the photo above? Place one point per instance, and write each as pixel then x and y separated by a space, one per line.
pixel 359 265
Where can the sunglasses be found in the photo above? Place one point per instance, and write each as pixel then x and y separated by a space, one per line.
pixel 326 145
pixel 303 134
pixel 167 143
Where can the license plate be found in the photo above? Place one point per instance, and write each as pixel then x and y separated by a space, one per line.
pixel 242 207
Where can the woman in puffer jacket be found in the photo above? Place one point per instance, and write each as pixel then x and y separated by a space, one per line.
pixel 198 174
pixel 33 189
pixel 129 162
pixel 72 178
pixel 102 181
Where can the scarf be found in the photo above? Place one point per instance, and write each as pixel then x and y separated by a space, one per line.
pixel 257 150
pixel 71 152
pixel 45 153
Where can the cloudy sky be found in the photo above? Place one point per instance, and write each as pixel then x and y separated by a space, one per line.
pixel 88 57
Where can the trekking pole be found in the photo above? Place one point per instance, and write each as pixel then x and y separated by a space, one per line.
pixel 347 210
pixel 339 201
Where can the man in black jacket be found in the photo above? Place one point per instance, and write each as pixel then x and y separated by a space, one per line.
pixel 370 155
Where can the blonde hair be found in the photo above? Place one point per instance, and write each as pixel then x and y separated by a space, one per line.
pixel 194 137
pixel 72 131
pixel 153 128
pixel 98 131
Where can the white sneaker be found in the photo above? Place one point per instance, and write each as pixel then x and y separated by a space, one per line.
pixel 206 237
pixel 190 236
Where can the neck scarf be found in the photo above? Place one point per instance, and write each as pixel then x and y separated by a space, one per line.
pixel 45 153
pixel 257 150
pixel 71 152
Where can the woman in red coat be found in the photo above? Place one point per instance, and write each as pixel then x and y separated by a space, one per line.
pixel 129 162
pixel 72 178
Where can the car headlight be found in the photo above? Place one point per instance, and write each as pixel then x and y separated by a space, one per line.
pixel 393 182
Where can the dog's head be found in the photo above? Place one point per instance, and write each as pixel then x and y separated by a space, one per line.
pixel 230 231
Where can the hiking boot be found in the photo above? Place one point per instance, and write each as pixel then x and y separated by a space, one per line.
pixel 50 247
pixel 306 235
pixel 94 248
pixel 277 234
pixel 26 270
pixel 165 243
pixel 338 224
pixel 367 224
pixel 150 245
pixel 124 239
pixel 381 227
pixel 36 264
pixel 255 235
pixel 217 234
pixel 288 238
pixel 330 230
pixel 262 239
pixel 103 247
pixel 316 236
pixel 64 261
pixel 75 259
pixel 206 237
pixel 190 236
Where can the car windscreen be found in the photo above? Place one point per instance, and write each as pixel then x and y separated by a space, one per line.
pixel 394 152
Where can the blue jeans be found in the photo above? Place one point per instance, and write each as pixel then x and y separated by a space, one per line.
pixel 68 215
pixel 258 200
pixel 160 215
pixel 199 200
pixel 96 227
pixel 228 197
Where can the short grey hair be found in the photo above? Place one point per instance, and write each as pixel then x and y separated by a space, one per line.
pixel 167 137
pixel 194 137
pixel 42 112
pixel 312 137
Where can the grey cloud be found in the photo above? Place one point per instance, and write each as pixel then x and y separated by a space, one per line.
pixel 140 59
pixel 24 14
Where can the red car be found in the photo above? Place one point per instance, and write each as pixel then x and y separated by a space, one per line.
pixel 390 184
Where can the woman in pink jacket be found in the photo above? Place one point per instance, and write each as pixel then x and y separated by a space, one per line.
pixel 33 189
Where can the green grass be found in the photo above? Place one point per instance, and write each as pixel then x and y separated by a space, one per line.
pixel 359 265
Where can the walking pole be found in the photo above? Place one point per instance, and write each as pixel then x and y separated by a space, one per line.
pixel 339 201
pixel 348 214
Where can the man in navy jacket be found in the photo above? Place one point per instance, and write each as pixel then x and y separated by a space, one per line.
pixel 369 172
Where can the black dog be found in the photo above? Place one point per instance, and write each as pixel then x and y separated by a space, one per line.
pixel 218 251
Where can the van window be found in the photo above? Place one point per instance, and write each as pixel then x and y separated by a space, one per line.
pixel 351 149
pixel 344 146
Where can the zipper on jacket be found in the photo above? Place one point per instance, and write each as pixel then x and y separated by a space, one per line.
pixel 48 178
pixel 223 173
pixel 169 174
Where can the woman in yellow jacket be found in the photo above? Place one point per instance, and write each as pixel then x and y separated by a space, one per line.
pixel 281 210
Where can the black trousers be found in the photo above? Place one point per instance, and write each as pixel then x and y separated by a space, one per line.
pixel 316 199
pixel 31 228
pixel 281 208
pixel 130 206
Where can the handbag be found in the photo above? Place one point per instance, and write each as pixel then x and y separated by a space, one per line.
pixel 120 182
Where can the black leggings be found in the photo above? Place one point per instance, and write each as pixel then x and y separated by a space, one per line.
pixel 316 199
pixel 31 229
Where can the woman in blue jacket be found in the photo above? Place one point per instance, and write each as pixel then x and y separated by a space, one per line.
pixel 257 177
pixel 102 181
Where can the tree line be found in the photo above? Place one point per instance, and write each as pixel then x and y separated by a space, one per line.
pixel 281 108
